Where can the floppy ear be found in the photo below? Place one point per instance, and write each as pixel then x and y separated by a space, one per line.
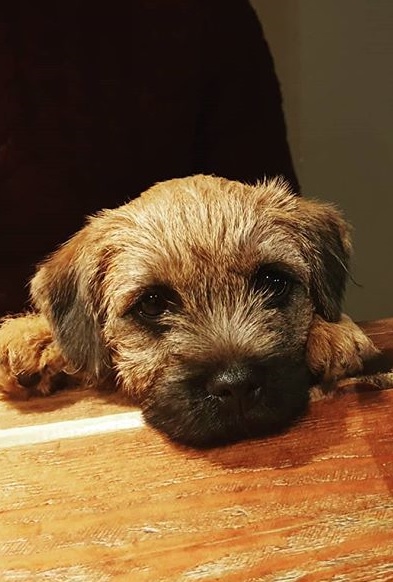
pixel 327 248
pixel 67 289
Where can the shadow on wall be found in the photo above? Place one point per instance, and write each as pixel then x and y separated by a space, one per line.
pixel 334 60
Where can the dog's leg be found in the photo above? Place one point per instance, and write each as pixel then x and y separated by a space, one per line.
pixel 31 362
pixel 335 351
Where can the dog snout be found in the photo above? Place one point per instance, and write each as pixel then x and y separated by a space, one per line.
pixel 238 386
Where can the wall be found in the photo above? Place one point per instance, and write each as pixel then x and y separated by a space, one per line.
pixel 334 59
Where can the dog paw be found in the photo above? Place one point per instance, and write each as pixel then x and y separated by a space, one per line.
pixel 337 350
pixel 31 362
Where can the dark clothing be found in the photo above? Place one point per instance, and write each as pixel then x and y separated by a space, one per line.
pixel 98 101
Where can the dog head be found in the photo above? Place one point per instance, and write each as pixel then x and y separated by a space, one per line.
pixel 200 295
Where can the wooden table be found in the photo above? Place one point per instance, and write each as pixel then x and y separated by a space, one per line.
pixel 89 493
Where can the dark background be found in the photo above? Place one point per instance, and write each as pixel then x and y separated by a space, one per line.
pixel 98 102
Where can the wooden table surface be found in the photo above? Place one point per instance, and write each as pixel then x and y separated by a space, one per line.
pixel 89 493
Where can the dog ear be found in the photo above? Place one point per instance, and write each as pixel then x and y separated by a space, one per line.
pixel 67 289
pixel 327 248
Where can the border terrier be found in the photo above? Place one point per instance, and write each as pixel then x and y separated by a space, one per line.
pixel 214 305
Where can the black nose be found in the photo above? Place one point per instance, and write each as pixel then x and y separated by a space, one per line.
pixel 239 385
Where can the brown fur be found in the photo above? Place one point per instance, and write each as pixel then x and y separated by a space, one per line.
pixel 204 244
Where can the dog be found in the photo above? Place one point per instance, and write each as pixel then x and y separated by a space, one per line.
pixel 214 305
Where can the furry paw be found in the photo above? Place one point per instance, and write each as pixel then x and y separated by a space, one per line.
pixel 337 350
pixel 31 362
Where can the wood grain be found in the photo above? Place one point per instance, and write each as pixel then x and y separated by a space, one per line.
pixel 314 503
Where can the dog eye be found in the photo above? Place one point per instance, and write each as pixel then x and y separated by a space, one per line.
pixel 155 303
pixel 273 283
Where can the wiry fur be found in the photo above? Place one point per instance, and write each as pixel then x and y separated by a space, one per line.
pixel 204 238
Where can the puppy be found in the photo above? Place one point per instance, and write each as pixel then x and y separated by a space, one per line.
pixel 215 305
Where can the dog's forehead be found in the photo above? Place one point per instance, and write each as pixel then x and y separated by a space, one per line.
pixel 205 213
pixel 197 229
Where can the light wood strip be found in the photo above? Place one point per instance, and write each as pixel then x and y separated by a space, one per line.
pixel 55 431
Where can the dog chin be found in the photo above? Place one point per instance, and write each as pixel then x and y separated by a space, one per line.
pixel 189 415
